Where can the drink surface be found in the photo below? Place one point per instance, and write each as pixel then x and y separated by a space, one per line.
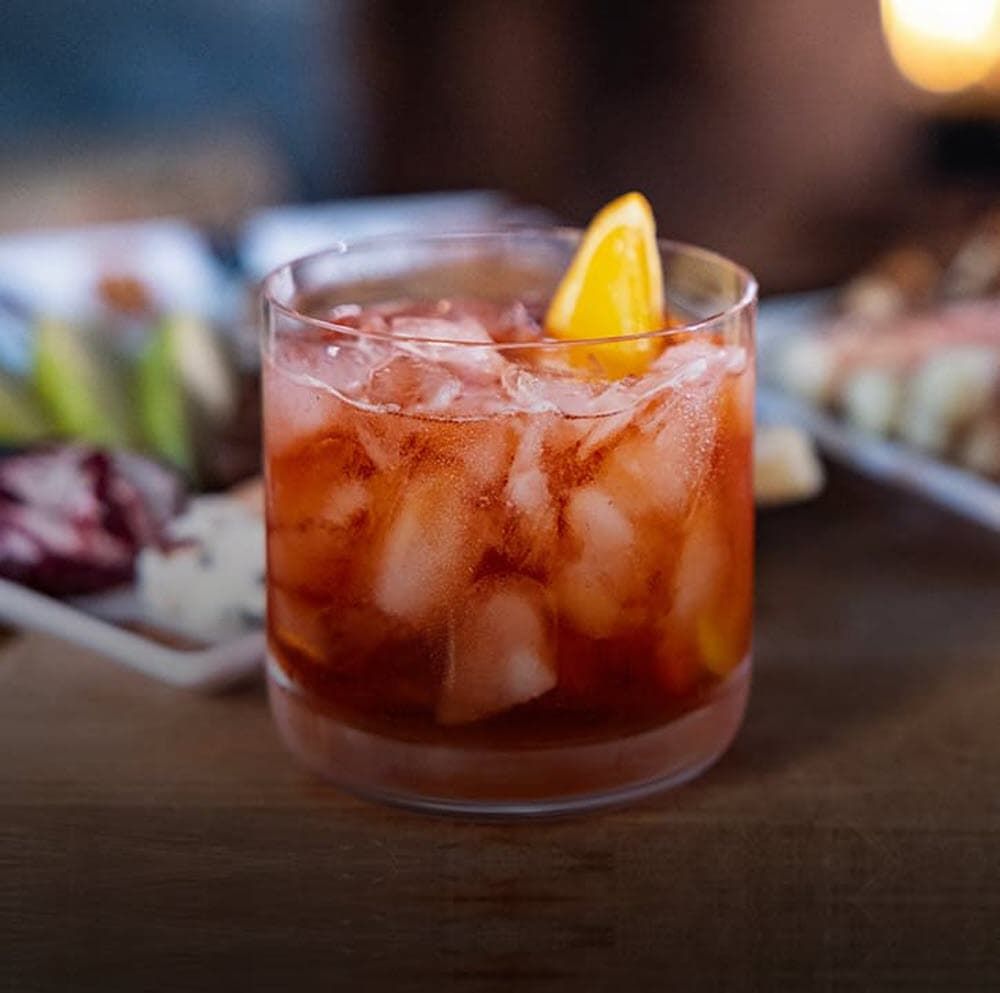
pixel 485 544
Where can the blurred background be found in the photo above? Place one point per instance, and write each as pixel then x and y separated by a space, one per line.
pixel 799 136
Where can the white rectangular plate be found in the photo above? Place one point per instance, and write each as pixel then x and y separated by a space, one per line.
pixel 963 492
pixel 211 668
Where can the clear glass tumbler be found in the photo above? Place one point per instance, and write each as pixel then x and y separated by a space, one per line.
pixel 501 581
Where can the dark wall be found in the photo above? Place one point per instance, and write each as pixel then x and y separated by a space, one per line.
pixel 774 130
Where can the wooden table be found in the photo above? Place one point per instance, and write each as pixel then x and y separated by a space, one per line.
pixel 153 839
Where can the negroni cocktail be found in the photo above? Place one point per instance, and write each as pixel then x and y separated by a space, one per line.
pixel 509 571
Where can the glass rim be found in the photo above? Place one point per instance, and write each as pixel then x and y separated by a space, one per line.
pixel 747 297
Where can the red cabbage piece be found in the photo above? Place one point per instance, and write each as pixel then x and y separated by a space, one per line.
pixel 73 518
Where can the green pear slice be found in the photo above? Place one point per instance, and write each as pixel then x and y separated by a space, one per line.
pixel 22 419
pixel 160 401
pixel 186 390
pixel 205 369
pixel 78 385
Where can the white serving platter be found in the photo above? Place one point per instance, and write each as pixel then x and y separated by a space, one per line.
pixel 96 623
pixel 962 492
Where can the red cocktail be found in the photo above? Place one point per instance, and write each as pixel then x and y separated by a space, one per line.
pixel 501 581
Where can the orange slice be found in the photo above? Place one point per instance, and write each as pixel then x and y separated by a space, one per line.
pixel 613 287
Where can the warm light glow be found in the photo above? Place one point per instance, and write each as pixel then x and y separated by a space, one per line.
pixel 943 45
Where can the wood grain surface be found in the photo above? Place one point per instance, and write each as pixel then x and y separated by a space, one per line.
pixel 154 839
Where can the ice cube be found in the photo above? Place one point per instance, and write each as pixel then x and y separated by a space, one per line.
pixel 526 390
pixel 475 364
pixel 596 586
pixel 740 387
pixel 535 390
pixel 701 567
pixel 479 449
pixel 736 359
pixel 457 328
pixel 302 484
pixel 429 549
pixel 507 322
pixel 440 395
pixel 663 466
pixel 596 521
pixel 527 493
pixel 318 516
pixel 381 436
pixel 597 433
pixel 527 485
pixel 328 365
pixel 295 411
pixel 483 449
pixel 345 313
pixel 343 503
pixel 697 585
pixel 691 373
pixel 639 483
pixel 707 627
pixel 407 383
pixel 370 321
pixel 347 364
pixel 501 650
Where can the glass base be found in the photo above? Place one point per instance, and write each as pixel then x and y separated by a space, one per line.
pixel 508 783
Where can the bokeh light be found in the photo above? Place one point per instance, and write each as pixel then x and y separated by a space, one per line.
pixel 943 46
